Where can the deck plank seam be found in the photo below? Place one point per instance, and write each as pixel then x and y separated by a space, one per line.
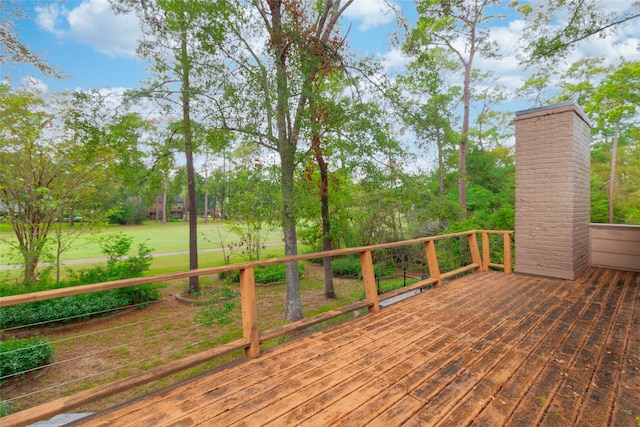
pixel 495 343
pixel 534 379
pixel 512 346
pixel 571 365
pixel 627 340
pixel 566 304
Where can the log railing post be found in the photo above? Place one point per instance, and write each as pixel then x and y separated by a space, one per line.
pixel 507 253
pixel 432 261
pixel 475 252
pixel 249 312
pixel 369 280
pixel 486 251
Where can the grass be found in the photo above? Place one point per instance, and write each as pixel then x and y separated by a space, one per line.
pixel 170 237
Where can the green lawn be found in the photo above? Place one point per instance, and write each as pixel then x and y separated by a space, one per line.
pixel 170 237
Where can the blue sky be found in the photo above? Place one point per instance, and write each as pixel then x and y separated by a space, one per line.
pixel 96 48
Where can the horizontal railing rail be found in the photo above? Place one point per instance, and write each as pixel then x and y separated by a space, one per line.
pixel 252 337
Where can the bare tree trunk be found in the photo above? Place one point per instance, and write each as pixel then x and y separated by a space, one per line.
pixel 439 144
pixel 287 145
pixel 206 191
pixel 464 137
pixel 194 285
pixel 329 291
pixel 165 186
pixel 206 206
pixel 293 305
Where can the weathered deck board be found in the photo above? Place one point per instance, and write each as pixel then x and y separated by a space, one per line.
pixel 487 349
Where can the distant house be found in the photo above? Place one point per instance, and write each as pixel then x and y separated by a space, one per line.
pixel 175 210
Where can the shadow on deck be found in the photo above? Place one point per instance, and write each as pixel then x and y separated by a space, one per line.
pixel 488 349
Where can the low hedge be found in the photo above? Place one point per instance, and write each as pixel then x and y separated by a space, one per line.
pixel 77 307
pixel 6 408
pixel 18 356
pixel 350 266
pixel 273 273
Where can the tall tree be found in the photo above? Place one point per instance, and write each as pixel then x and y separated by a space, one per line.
pixel 267 95
pixel 173 44
pixel 430 112
pixel 617 99
pixel 446 24
pixel 47 170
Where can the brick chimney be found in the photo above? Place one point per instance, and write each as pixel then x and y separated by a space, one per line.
pixel 552 191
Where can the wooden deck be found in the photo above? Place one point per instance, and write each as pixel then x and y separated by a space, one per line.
pixel 488 349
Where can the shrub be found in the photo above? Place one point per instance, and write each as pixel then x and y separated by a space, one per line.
pixel 82 307
pixel 20 356
pixel 77 307
pixel 350 266
pixel 266 274
pixel 218 309
pixel 6 408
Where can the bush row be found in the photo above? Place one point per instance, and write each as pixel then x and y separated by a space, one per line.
pixel 266 274
pixel 81 307
pixel 77 307
pixel 20 356
pixel 350 266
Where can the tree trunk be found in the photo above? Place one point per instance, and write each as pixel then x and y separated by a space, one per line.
pixel 329 291
pixel 462 154
pixel 287 145
pixel 293 305
pixel 439 143
pixel 612 174
pixel 165 186
pixel 31 257
pixel 206 191
pixel 206 204
pixel 194 285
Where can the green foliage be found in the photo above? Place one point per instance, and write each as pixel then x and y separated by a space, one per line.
pixel 218 309
pixel 6 408
pixel 131 211
pixel 545 40
pixel 115 245
pixel 389 285
pixel 350 266
pixel 18 356
pixel 82 307
pixel 77 307
pixel 274 273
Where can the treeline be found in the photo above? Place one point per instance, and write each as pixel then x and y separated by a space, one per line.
pixel 261 111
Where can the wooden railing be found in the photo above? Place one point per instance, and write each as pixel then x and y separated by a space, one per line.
pixel 252 337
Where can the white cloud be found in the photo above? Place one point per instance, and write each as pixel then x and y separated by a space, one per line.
pixel 34 85
pixel 371 13
pixel 394 59
pixel 93 23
